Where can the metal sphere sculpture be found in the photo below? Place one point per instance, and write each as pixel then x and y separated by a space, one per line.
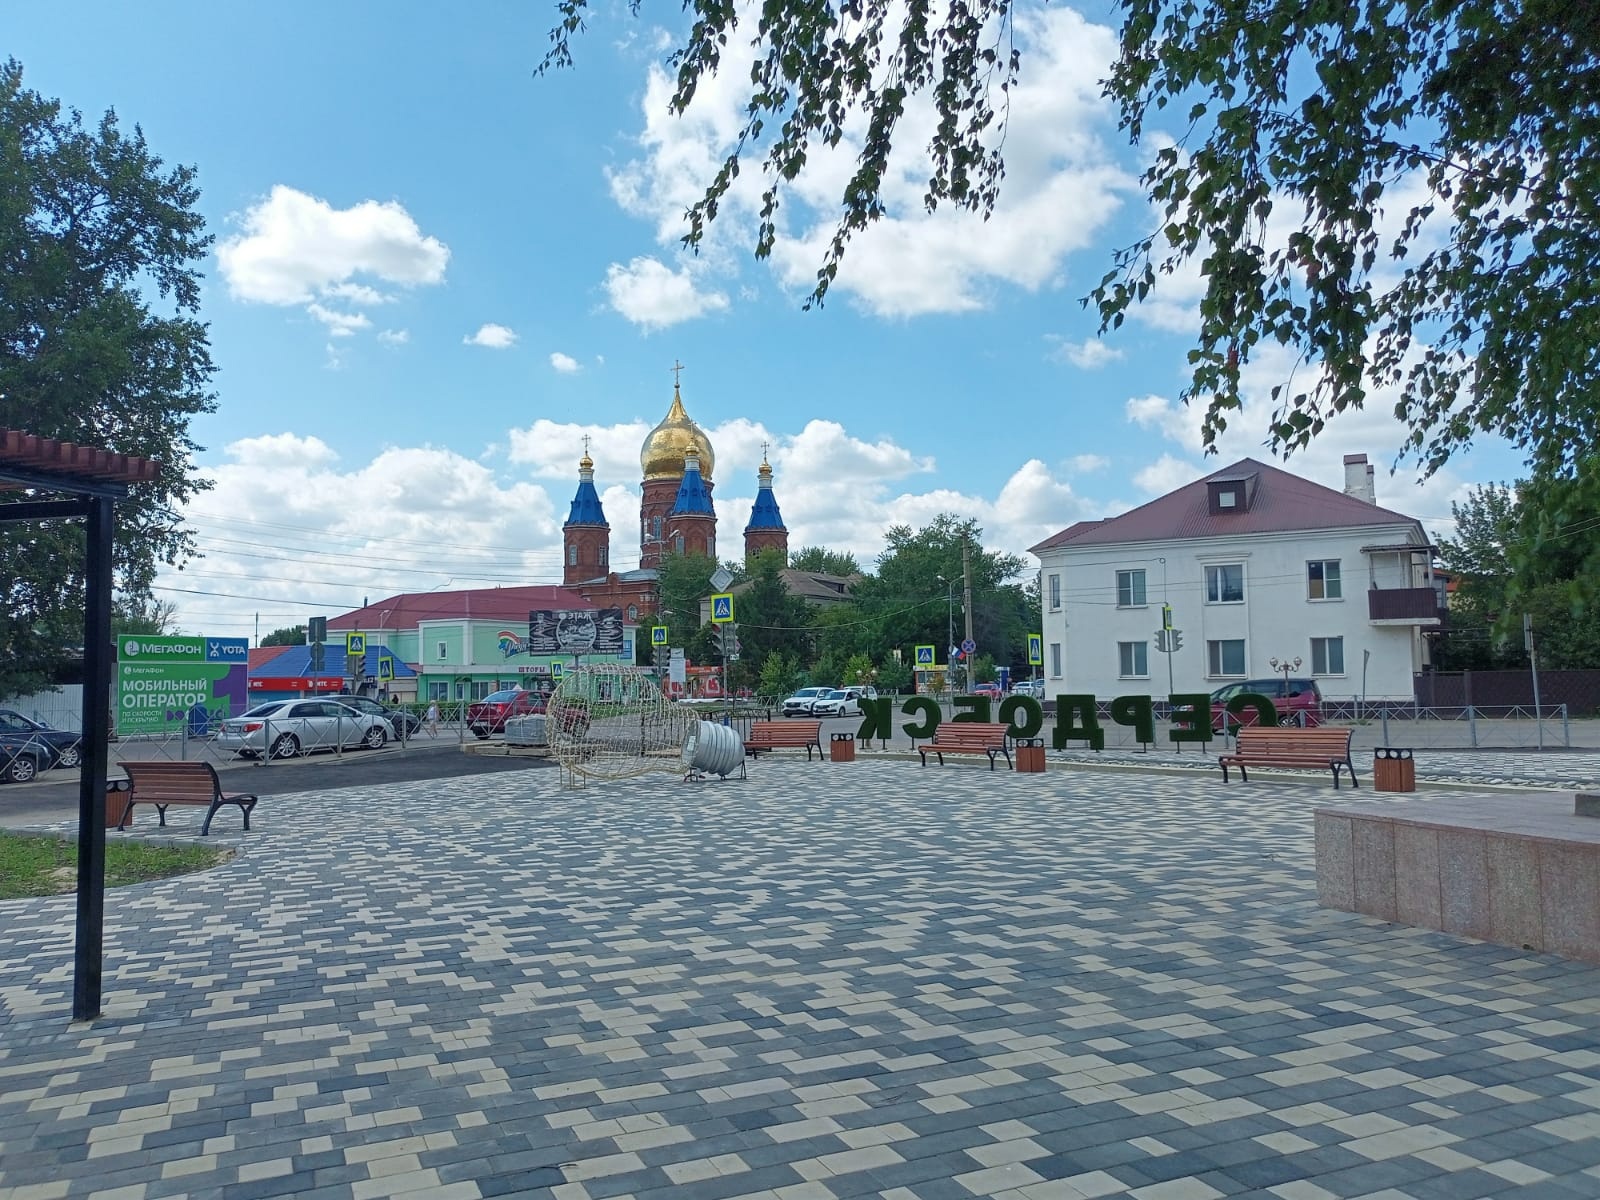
pixel 611 721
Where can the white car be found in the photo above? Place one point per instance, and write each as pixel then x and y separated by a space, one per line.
pixel 285 728
pixel 843 702
pixel 799 704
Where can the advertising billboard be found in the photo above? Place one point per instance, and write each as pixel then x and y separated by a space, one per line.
pixel 159 680
pixel 575 631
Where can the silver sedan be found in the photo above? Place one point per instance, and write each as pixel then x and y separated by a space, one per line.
pixel 286 728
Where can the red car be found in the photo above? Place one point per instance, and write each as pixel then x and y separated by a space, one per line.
pixel 991 690
pixel 490 714
pixel 1298 701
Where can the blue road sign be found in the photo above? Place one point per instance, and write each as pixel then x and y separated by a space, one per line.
pixel 722 607
pixel 355 645
pixel 968 646
pixel 925 656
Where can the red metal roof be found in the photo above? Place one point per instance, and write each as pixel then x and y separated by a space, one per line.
pixel 1283 503
pixel 71 461
pixel 407 610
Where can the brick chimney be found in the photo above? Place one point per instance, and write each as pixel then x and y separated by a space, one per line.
pixel 1358 473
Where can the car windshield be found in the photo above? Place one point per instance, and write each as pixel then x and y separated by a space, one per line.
pixel 502 697
pixel 263 710
pixel 834 695
pixel 807 693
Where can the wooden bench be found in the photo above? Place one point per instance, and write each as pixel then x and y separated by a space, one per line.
pixel 772 735
pixel 165 783
pixel 1285 746
pixel 968 737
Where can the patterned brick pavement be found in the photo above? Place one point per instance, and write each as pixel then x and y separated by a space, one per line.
pixel 863 980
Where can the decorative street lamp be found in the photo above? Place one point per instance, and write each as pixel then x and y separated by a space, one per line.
pixel 1285 665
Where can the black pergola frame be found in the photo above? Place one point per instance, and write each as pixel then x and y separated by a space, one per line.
pixel 95 480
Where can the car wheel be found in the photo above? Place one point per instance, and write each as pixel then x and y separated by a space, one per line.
pixel 286 746
pixel 22 769
pixel 1300 719
pixel 375 737
pixel 70 758
pixel 480 732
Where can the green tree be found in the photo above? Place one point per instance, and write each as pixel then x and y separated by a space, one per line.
pixel 152 617
pixel 780 676
pixel 289 635
pixel 770 619
pixel 684 580
pixel 94 232
pixel 1298 128
pixel 824 562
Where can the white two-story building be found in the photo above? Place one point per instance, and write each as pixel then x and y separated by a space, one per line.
pixel 1253 564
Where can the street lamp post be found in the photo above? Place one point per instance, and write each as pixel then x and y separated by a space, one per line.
pixel 949 630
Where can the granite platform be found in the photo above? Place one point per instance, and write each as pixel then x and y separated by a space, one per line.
pixel 1518 869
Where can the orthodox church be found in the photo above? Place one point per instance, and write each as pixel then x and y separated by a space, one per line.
pixel 676 516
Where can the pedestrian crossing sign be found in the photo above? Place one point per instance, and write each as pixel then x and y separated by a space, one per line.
pixel 355 645
pixel 658 635
pixel 1036 649
pixel 924 656
pixel 722 608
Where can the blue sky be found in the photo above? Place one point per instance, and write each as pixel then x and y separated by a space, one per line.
pixel 436 273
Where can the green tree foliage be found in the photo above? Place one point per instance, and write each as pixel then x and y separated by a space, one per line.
pixel 151 618
pixel 1500 577
pixel 917 594
pixel 780 676
pixel 94 231
pixel 824 561
pixel 1286 135
pixel 770 619
pixel 291 635
pixel 684 580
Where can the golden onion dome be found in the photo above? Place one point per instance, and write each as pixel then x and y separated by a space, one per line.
pixel 663 452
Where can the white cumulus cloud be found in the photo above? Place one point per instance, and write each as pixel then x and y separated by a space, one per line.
pixel 293 247
pixel 649 293
pixel 1088 354
pixel 564 363
pixel 495 337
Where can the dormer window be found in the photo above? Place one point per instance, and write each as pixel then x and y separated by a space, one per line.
pixel 1230 494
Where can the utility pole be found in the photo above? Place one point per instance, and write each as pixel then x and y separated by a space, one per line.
pixel 1533 661
pixel 966 600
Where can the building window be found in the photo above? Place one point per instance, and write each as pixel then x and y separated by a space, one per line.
pixel 677 543
pixel 1227 498
pixel 633 612
pixel 438 690
pixel 711 546
pixel 1055 660
pixel 605 555
pixel 1055 592
pixel 1225 657
pixel 1225 585
pixel 1130 591
pixel 481 688
pixel 572 555
pixel 444 650
pixel 1327 656
pixel 656 525
pixel 1133 660
pixel 1322 580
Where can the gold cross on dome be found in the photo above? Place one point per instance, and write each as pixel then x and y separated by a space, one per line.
pixel 586 445
pixel 764 451
pixel 676 368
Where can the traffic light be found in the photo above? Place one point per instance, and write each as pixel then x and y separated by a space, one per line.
pixel 1175 638
pixel 1161 641
pixel 318 657
pixel 661 659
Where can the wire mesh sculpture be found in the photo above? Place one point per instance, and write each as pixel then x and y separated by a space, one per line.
pixel 610 721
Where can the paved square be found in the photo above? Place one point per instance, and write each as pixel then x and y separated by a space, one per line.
pixel 830 980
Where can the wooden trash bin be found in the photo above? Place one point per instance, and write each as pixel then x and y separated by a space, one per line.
pixel 1394 769
pixel 842 747
pixel 1030 756
pixel 117 793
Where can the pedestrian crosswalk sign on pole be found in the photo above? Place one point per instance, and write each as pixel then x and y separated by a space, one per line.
pixel 658 635
pixel 355 645
pixel 925 656
pixel 722 608
pixel 1036 649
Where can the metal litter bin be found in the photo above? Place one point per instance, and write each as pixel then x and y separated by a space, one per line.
pixel 842 747
pixel 1030 756
pixel 1394 769
pixel 117 794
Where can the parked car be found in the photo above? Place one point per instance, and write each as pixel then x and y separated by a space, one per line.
pixel 800 704
pixel 490 714
pixel 23 756
pixel 1298 701
pixel 842 702
pixel 991 690
pixel 68 747
pixel 285 728
pixel 1030 687
pixel 404 722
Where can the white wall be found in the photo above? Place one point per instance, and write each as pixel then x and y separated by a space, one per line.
pixel 1276 618
pixel 59 709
